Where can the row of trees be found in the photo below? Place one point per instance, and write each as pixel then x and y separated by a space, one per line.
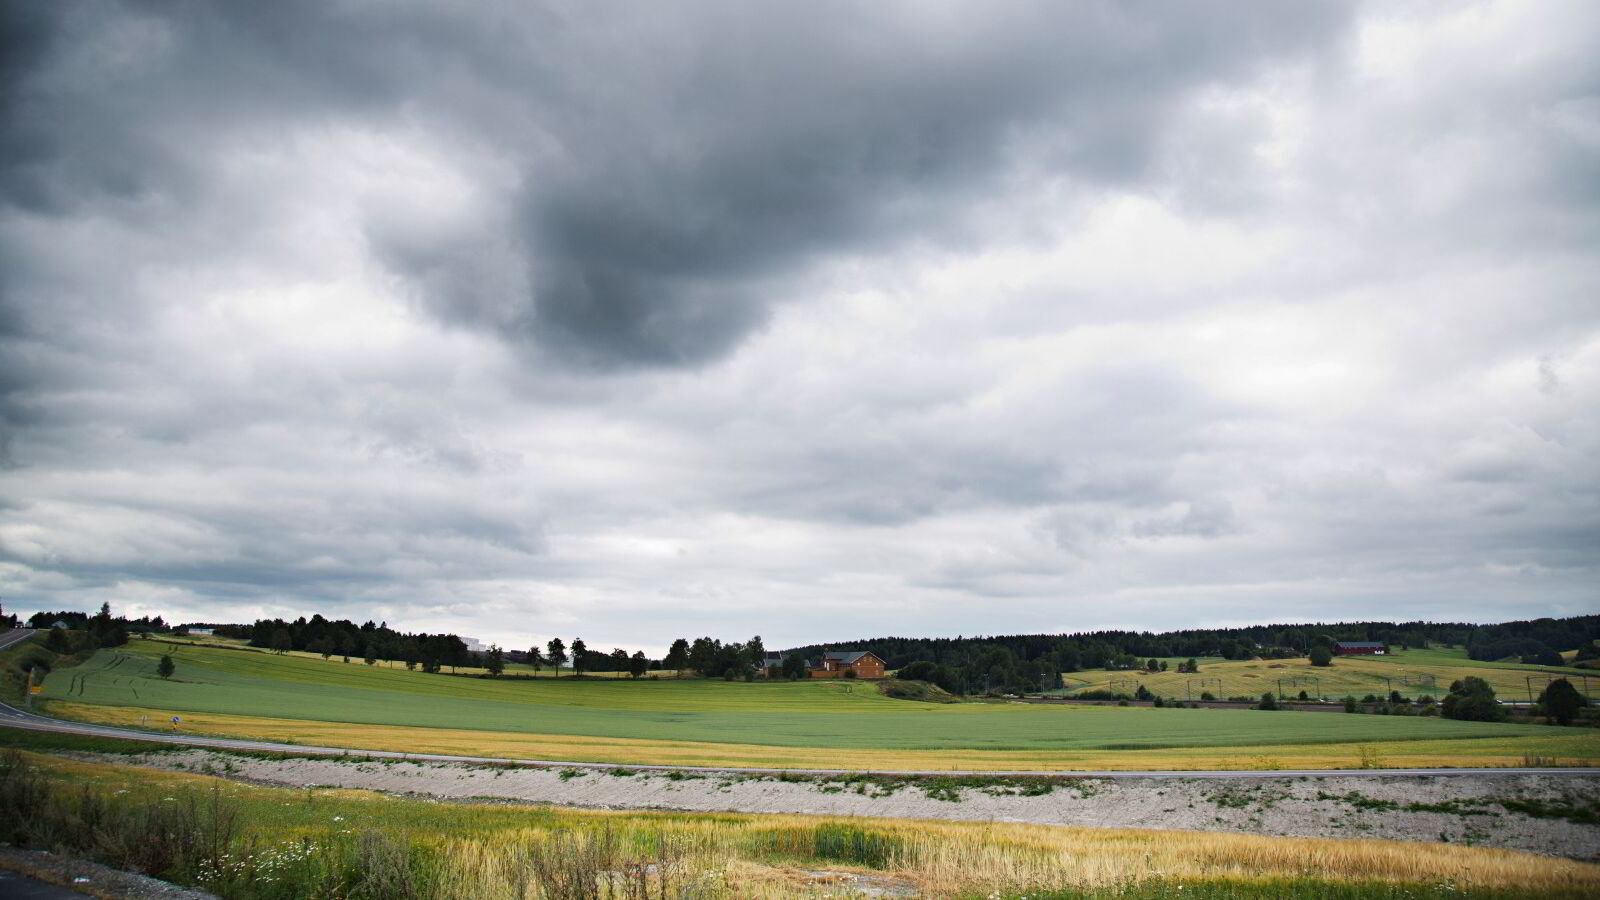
pixel 370 642
pixel 583 659
pixel 88 632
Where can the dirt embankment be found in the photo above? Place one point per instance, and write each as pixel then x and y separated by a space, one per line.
pixel 1554 815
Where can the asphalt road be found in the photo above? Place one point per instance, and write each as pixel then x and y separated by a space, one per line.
pixel 16 886
pixel 11 717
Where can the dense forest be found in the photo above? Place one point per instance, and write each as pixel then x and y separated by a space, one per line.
pixel 1028 662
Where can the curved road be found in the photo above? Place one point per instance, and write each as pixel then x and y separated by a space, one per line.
pixel 11 717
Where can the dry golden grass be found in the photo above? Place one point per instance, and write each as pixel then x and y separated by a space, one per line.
pixel 951 859
pixel 1577 747
pixel 749 855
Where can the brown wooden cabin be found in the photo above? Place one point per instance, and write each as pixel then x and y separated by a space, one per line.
pixel 835 663
pixel 1358 648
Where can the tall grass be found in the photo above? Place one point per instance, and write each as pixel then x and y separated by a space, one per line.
pixel 257 843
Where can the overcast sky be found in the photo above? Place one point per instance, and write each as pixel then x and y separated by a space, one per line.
pixel 814 320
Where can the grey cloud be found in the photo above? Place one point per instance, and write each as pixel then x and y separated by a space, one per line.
pixel 695 318
pixel 663 209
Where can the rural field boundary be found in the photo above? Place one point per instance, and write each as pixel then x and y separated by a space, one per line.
pixel 11 717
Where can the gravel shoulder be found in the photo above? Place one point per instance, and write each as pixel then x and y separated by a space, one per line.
pixel 1537 813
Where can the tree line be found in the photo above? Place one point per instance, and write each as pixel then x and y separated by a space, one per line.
pixel 1032 662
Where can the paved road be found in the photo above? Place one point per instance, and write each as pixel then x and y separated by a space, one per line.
pixel 17 886
pixel 11 717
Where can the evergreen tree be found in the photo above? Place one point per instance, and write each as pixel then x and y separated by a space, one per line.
pixel 165 668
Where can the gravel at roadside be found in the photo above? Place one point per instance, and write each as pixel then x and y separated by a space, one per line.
pixel 1523 812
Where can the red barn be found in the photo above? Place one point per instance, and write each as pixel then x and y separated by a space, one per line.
pixel 1358 648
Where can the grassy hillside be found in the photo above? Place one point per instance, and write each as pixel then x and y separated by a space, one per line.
pixel 1404 670
pixel 239 692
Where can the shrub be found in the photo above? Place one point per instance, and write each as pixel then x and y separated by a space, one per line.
pixel 1099 695
pixel 1561 701
pixel 1472 700
pixel 850 673
pixel 1350 704
pixel 1321 656
pixel 1268 702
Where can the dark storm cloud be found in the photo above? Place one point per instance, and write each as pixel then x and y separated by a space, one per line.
pixel 675 167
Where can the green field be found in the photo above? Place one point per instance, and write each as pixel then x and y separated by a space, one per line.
pixel 814 716
pixel 1406 671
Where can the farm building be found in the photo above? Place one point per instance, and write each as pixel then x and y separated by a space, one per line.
pixel 836 663
pixel 1358 648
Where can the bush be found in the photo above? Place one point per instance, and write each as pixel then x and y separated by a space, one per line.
pixel 1561 701
pixel 850 673
pixel 1472 700
pixel 1100 695
pixel 1321 656
pixel 1268 702
pixel 1350 704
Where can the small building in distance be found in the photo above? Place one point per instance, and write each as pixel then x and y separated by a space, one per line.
pixel 1358 648
pixel 836 663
